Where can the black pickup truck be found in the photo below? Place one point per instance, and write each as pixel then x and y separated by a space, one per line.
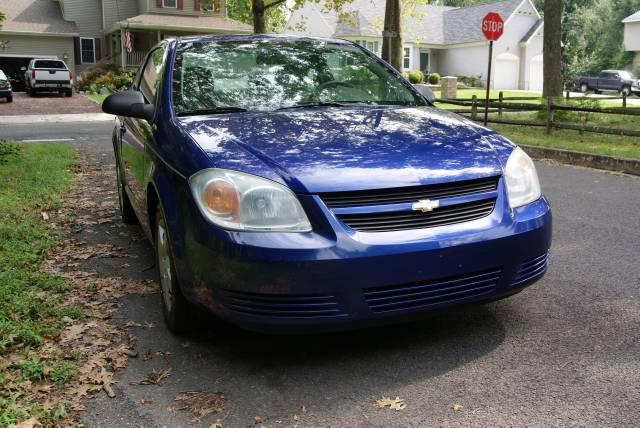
pixel 610 80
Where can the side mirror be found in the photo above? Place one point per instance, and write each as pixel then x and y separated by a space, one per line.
pixel 426 92
pixel 23 68
pixel 128 104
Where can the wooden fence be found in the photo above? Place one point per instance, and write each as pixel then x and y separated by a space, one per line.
pixel 501 105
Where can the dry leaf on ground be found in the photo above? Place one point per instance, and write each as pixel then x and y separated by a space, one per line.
pixel 394 404
pixel 200 403
pixel 457 407
pixel 153 378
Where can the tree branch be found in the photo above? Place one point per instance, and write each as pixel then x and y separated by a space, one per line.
pixel 274 3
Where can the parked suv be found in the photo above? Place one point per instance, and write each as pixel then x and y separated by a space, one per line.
pixel 610 80
pixel 5 88
pixel 48 75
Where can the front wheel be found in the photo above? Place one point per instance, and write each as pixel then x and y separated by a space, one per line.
pixel 175 308
pixel 626 91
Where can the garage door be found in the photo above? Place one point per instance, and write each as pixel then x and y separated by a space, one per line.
pixel 11 67
pixel 535 73
pixel 506 75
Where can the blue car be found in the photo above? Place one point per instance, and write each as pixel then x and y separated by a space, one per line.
pixel 295 184
pixel 5 88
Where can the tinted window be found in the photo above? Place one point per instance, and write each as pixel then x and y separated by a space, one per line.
pixel 271 74
pixel 152 75
pixel 57 65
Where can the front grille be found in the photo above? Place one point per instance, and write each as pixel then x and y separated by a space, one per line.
pixel 282 305
pixel 408 194
pixel 531 268
pixel 405 220
pixel 408 296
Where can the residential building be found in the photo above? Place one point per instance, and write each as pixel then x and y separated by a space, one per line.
pixel 83 32
pixel 442 39
pixel 632 37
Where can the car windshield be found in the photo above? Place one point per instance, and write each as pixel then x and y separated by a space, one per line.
pixel 627 75
pixel 267 75
pixel 58 65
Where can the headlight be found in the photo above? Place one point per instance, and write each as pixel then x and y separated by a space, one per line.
pixel 521 179
pixel 238 201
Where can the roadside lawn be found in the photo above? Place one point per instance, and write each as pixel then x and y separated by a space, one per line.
pixel 97 98
pixel 34 178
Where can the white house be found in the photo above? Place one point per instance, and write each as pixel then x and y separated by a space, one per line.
pixel 632 36
pixel 442 39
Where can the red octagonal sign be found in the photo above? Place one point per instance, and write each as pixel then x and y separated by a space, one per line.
pixel 492 26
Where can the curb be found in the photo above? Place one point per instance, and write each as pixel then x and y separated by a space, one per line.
pixel 55 118
pixel 589 160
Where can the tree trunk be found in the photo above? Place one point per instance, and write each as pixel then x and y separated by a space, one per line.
pixel 258 10
pixel 392 51
pixel 552 50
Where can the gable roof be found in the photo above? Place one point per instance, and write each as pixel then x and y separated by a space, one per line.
pixel 35 16
pixel 429 24
pixel 632 18
pixel 532 31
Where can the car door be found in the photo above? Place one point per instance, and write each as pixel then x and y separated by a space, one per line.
pixel 137 133
pixel 607 81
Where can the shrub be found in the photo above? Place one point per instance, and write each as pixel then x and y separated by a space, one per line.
pixel 31 369
pixel 434 78
pixel 107 75
pixel 416 76
pixel 61 372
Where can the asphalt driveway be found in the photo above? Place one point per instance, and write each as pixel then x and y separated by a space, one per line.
pixel 44 104
pixel 564 352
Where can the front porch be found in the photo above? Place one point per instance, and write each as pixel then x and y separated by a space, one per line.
pixel 149 29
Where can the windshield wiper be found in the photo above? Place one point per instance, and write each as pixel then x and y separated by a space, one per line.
pixel 215 110
pixel 312 104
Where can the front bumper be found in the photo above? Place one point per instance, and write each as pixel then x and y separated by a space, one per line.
pixel 335 278
pixel 4 93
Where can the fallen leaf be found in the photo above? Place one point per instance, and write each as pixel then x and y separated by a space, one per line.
pixel 397 404
pixel 146 400
pixel 257 420
pixel 456 407
pixel 186 344
pixel 153 378
pixel 200 403
pixel 45 216
pixel 29 423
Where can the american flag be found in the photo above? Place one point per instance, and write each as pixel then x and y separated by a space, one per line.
pixel 128 44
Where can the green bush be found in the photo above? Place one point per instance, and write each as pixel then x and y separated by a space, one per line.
pixel 61 372
pixel 31 369
pixel 415 76
pixel 105 75
pixel 434 78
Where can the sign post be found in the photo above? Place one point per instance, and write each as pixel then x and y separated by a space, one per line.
pixel 492 28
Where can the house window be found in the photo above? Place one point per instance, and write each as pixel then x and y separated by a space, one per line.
pixel 372 45
pixel 170 3
pixel 406 59
pixel 88 49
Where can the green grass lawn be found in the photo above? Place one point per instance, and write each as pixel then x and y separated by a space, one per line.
pixel 97 98
pixel 34 178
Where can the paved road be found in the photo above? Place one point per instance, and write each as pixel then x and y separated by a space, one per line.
pixel 564 352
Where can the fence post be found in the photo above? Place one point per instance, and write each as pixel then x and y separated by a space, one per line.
pixel 500 101
pixel 568 94
pixel 549 114
pixel 474 107
pixel 624 99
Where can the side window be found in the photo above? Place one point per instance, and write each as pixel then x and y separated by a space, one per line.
pixel 151 75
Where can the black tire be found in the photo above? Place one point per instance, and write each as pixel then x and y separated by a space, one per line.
pixel 175 308
pixel 127 213
pixel 10 99
pixel 69 94
pixel 626 91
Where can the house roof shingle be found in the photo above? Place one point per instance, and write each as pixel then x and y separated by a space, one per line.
pixel 428 24
pixel 35 16
pixel 632 18
pixel 177 22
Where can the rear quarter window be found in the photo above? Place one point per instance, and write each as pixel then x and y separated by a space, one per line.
pixel 57 65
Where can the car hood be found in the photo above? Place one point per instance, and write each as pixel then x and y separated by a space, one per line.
pixel 339 149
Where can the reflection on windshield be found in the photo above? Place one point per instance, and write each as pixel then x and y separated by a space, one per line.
pixel 267 75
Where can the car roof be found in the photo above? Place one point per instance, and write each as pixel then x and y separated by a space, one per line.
pixel 257 37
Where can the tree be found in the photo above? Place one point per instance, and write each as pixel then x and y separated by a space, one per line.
pixel 552 49
pixel 392 51
pixel 273 17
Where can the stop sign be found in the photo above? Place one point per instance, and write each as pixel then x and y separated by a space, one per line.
pixel 492 26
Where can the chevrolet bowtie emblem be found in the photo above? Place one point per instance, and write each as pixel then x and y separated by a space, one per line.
pixel 425 205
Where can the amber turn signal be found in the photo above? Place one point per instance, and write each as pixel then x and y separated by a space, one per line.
pixel 221 197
